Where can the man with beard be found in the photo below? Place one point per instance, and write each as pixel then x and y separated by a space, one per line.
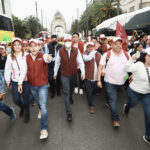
pixel 114 62
pixel 54 47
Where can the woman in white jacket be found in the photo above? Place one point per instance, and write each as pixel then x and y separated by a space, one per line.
pixel 139 88
pixel 15 74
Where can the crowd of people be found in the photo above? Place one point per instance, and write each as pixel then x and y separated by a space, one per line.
pixel 30 67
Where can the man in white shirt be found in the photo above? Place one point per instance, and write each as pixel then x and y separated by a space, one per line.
pixel 67 59
pixel 114 75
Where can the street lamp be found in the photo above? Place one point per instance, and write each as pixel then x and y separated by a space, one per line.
pixel 37 28
pixel 86 18
pixel 118 7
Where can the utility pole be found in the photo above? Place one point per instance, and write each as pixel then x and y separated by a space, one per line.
pixel 78 19
pixel 42 18
pixel 118 7
pixel 37 27
pixel 141 4
pixel 87 18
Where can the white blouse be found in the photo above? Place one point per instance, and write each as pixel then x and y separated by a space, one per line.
pixel 12 71
pixel 140 82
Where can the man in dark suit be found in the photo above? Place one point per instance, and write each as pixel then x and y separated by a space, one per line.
pixel 55 86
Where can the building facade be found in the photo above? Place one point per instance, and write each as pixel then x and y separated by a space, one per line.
pixel 5 8
pixel 58 25
pixel 131 5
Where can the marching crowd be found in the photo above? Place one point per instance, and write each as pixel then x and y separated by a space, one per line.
pixel 29 67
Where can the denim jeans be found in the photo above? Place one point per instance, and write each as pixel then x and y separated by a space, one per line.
pixel 40 93
pixel 2 84
pixel 68 84
pixel 25 95
pixel 112 93
pixel 91 89
pixel 134 98
pixel 6 109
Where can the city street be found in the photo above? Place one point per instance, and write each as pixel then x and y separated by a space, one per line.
pixel 86 132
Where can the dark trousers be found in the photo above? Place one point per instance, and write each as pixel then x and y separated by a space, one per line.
pixel 91 89
pixel 25 95
pixel 79 81
pixel 68 84
pixel 55 85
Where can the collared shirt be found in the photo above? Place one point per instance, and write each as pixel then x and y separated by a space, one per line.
pixel 114 71
pixel 79 61
pixel 89 57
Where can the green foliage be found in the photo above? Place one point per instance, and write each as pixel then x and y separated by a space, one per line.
pixel 75 26
pixel 20 27
pixel 99 11
pixel 27 28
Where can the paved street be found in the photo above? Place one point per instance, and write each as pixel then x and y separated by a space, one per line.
pixel 86 132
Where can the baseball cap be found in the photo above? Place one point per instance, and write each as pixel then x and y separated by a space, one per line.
pixel 2 47
pixel 16 39
pixel 67 37
pixel 33 41
pixel 115 39
pixel 89 43
pixel 102 36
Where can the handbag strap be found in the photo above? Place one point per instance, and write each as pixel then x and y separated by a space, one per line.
pixel 147 71
pixel 17 65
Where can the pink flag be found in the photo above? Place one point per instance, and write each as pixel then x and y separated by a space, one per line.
pixel 120 32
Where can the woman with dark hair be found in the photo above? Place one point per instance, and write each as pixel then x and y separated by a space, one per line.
pixel 138 49
pixel 15 75
pixel 139 88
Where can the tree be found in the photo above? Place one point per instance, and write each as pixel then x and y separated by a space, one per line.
pixel 31 22
pixel 98 12
pixel 20 28
pixel 75 26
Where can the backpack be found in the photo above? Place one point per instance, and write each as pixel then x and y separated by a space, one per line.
pixel 109 54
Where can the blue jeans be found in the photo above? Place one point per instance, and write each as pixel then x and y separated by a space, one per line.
pixel 2 84
pixel 40 93
pixel 134 98
pixel 25 94
pixel 112 93
pixel 6 109
pixel 68 84
pixel 91 89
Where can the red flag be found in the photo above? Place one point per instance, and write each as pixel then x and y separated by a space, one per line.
pixel 120 32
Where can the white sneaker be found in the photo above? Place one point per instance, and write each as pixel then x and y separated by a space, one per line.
pixel 39 114
pixel 81 91
pixel 44 134
pixel 76 90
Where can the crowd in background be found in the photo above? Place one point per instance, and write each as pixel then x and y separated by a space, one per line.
pixel 69 64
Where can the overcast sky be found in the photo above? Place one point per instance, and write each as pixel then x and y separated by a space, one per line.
pixel 68 8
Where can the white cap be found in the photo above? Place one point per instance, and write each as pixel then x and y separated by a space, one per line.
pixel 2 47
pixel 16 39
pixel 147 51
pixel 33 41
pixel 102 36
pixel 67 37
pixel 115 39
pixel 89 43
pixel 3 43
pixel 136 42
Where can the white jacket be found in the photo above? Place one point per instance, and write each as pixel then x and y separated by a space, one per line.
pixel 12 71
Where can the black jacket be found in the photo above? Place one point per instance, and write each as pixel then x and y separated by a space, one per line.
pixel 51 48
